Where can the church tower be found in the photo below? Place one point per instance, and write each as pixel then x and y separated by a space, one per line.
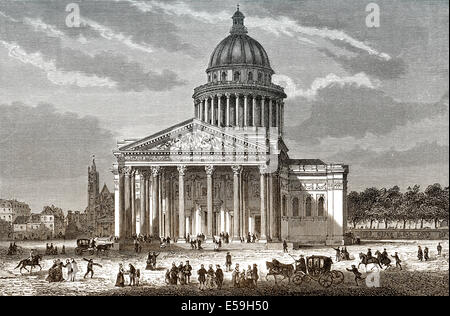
pixel 93 192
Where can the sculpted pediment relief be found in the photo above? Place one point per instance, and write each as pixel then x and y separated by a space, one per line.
pixel 193 141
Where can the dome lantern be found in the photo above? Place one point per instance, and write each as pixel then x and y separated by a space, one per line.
pixel 238 23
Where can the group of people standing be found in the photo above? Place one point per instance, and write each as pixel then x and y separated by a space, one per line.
pixel 55 273
pixel 133 273
pixel 180 274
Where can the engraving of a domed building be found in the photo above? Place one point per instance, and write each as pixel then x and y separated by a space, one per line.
pixel 227 170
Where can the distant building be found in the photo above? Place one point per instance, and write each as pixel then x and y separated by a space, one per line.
pixel 59 226
pixel 20 227
pixel 99 213
pixel 10 209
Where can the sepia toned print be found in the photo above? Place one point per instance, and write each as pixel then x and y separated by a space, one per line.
pixel 208 148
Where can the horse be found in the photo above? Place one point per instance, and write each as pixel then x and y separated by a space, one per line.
pixel 365 260
pixel 382 259
pixel 276 268
pixel 32 263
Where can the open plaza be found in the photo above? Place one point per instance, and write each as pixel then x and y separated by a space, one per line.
pixel 416 278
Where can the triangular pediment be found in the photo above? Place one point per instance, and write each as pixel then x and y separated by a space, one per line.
pixel 192 136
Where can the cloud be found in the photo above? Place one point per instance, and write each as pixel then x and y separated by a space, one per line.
pixel 37 44
pixel 39 142
pixel 279 26
pixel 376 66
pixel 422 154
pixel 293 91
pixel 54 75
pixel 349 110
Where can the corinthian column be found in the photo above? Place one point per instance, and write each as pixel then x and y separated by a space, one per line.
pixel 245 111
pixel 155 202
pixel 262 171
pixel 182 217
pixel 236 204
pixel 133 203
pixel 227 114
pixel 209 183
pixel 143 201
pixel 237 111
pixel 127 198
pixel 122 231
pixel 254 110
pixel 219 109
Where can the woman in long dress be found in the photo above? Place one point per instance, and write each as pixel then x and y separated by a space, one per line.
pixel 120 280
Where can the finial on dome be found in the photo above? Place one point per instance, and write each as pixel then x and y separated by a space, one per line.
pixel 238 23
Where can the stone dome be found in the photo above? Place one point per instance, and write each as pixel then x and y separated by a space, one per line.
pixel 239 49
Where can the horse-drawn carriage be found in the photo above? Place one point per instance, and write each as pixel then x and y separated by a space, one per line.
pixel 318 268
pixel 91 247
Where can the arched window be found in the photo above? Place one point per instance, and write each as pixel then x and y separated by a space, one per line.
pixel 237 76
pixel 308 207
pixel 209 78
pixel 320 209
pixel 215 77
pixel 284 205
pixel 295 210
pixel 250 76
pixel 224 76
pixel 260 76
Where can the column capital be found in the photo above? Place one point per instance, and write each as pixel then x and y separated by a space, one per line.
pixel 156 171
pixel 182 170
pixel 128 171
pixel 263 169
pixel 209 170
pixel 236 169
pixel 228 95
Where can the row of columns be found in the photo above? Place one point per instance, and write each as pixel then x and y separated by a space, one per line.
pixel 153 197
pixel 212 110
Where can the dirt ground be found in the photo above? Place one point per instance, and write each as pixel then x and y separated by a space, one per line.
pixel 416 278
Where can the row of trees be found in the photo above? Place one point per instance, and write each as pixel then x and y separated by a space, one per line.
pixel 392 205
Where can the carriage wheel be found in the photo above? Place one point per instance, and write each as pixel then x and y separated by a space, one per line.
pixel 297 279
pixel 326 280
pixel 338 277
pixel 91 252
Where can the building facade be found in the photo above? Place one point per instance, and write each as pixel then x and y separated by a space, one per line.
pixel 10 209
pixel 99 214
pixel 228 169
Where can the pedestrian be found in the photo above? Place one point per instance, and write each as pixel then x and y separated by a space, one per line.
pixel 426 254
pixel 249 277
pixel 419 253
pixel 439 249
pixel 181 275
pixel 63 250
pixel 235 276
pixel 68 265
pixel 255 275
pixel 397 261
pixel 120 280
pixel 357 274
pixel 219 277
pixel 138 276
pixel 338 254
pixel 285 246
pixel 132 274
pixel 228 262
pixel 202 277
pixel 174 274
pixel 90 267
pixel 210 278
pixel 74 270
pixel 187 272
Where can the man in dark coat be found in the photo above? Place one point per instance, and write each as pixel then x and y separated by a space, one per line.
pixel 187 272
pixel 439 249
pixel 301 264
pixel 90 267
pixel 419 253
pixel 202 277
pixel 173 274
pixel 357 274
pixel 132 274
pixel 219 277
pixel 426 254
pixel 228 262
pixel 397 261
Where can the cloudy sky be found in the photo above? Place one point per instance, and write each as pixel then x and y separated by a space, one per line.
pixel 374 98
